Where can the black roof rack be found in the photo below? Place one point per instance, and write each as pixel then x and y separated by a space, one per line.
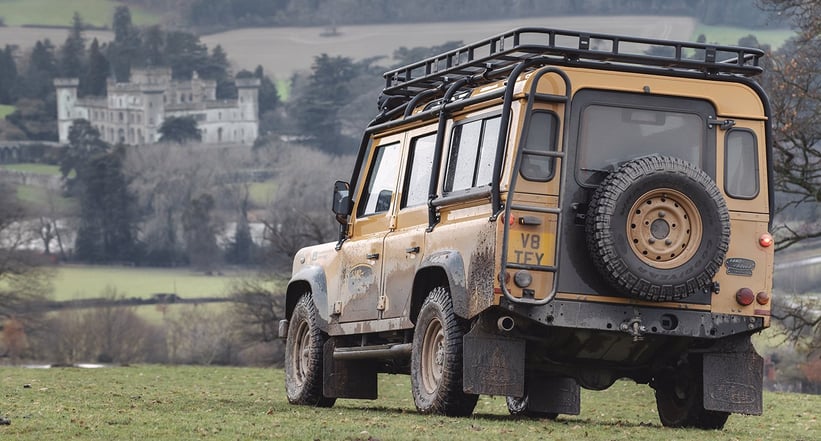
pixel 484 59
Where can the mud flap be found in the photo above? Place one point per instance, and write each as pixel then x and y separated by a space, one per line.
pixel 733 382
pixel 493 365
pixel 554 395
pixel 347 378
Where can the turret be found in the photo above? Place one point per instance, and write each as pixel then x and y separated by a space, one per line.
pixel 66 105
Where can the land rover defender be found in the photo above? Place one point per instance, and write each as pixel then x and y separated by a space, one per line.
pixel 545 210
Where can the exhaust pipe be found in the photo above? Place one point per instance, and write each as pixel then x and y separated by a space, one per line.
pixel 505 323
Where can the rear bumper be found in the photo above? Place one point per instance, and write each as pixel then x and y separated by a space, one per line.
pixel 638 321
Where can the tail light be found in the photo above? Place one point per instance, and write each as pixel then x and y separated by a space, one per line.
pixel 766 240
pixel 744 296
pixel 762 298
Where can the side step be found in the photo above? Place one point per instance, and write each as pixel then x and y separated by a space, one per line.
pixel 378 352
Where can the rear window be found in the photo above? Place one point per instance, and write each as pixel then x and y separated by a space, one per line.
pixel 611 135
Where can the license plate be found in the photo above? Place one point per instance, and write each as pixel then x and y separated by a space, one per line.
pixel 531 247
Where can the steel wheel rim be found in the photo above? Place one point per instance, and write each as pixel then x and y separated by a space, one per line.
pixel 433 356
pixel 664 228
pixel 300 361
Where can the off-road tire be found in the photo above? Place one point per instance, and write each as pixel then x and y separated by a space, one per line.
pixel 680 398
pixel 303 356
pixel 436 359
pixel 518 408
pixel 658 229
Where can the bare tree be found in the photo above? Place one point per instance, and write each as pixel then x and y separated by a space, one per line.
pixel 200 335
pixel 793 81
pixel 299 212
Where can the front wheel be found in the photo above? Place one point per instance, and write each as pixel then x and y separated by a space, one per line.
pixel 436 359
pixel 303 356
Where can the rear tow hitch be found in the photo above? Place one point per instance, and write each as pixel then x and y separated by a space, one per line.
pixel 634 328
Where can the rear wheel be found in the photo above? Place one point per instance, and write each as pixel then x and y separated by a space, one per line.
pixel 680 400
pixel 436 359
pixel 303 356
pixel 518 407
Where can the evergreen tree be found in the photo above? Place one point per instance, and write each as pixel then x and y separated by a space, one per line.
pixel 179 130
pixel 154 46
pixel 107 230
pixel 38 79
pixel 96 74
pixel 8 76
pixel 185 54
pixel 201 231
pixel 124 51
pixel 84 141
pixel 268 95
pixel 72 54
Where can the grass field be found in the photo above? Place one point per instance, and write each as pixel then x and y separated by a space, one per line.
pixel 36 199
pixel 87 281
pixel 5 110
pixel 194 403
pixel 43 169
pixel 730 35
pixel 60 12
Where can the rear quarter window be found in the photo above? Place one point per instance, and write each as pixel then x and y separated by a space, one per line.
pixel 741 164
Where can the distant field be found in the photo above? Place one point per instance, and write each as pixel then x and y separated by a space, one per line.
pixel 36 199
pixel 43 169
pixel 60 12
pixel 262 192
pixel 5 109
pixel 730 35
pixel 77 282
pixel 193 403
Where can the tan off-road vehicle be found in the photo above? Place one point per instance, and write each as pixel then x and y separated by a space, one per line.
pixel 546 210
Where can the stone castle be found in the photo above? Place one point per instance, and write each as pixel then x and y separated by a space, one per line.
pixel 132 113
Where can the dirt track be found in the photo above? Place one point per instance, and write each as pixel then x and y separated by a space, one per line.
pixel 281 51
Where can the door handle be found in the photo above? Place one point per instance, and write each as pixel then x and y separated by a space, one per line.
pixel 412 250
pixel 372 256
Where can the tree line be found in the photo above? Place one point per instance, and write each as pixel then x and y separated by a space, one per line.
pixel 216 14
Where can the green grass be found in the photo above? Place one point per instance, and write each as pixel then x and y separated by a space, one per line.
pixel 730 35
pixel 88 281
pixel 5 109
pixel 59 13
pixel 283 88
pixel 262 192
pixel 37 199
pixel 42 169
pixel 194 403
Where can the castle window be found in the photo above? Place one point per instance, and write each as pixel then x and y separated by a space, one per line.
pixel 190 97
pixel 122 117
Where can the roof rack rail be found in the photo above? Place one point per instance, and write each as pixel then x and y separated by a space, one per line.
pixel 477 61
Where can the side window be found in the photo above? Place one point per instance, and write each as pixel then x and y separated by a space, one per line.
pixel 472 152
pixel 541 137
pixel 420 166
pixel 378 191
pixel 740 164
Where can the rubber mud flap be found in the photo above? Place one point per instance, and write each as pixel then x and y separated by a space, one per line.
pixel 733 382
pixel 347 378
pixel 492 364
pixel 554 395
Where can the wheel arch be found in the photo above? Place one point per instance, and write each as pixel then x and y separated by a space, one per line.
pixel 441 268
pixel 313 280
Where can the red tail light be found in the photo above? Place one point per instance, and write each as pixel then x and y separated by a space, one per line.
pixel 762 298
pixel 766 240
pixel 744 296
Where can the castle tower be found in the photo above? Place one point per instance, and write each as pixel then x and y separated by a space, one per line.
pixel 66 105
pixel 248 102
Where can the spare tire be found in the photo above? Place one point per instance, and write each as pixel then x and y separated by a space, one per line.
pixel 658 229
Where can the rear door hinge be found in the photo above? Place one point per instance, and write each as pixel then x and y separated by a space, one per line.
pixel 723 124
